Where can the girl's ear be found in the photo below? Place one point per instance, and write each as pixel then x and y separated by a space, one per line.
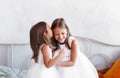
pixel 68 34
pixel 44 33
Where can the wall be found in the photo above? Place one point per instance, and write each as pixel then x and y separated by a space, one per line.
pixel 98 19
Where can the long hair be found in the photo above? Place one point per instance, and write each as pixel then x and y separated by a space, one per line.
pixel 60 22
pixel 37 37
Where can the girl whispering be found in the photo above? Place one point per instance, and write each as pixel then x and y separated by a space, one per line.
pixel 41 45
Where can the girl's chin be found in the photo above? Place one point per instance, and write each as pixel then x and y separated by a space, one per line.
pixel 62 42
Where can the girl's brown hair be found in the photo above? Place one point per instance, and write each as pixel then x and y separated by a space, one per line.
pixel 37 38
pixel 60 22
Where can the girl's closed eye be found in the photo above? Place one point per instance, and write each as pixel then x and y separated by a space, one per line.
pixel 63 33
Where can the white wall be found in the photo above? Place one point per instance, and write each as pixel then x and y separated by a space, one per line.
pixel 98 19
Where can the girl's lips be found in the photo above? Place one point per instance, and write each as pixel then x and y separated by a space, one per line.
pixel 62 41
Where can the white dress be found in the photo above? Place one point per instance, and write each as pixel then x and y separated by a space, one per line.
pixel 83 68
pixel 38 70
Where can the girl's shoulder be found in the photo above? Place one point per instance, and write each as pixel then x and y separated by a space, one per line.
pixel 44 47
pixel 71 39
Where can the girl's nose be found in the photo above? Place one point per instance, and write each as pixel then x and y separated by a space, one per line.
pixel 60 36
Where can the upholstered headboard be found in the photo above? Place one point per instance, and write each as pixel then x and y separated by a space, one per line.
pixel 102 55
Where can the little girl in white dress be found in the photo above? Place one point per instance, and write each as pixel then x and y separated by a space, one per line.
pixel 74 64
pixel 83 68
pixel 41 45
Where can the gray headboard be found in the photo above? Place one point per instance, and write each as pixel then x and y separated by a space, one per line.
pixel 102 55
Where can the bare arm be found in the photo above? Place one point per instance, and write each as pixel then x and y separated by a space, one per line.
pixel 72 60
pixel 46 56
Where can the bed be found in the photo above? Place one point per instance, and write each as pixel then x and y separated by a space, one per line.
pixel 102 55
pixel 7 72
